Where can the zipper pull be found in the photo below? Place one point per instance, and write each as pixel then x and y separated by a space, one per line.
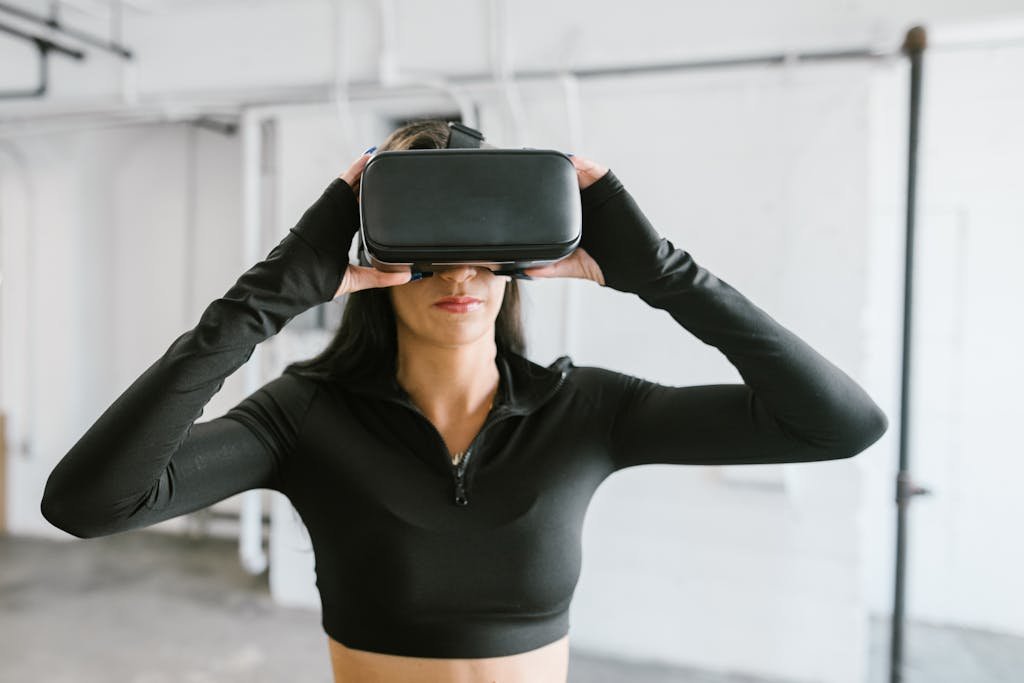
pixel 460 489
pixel 459 471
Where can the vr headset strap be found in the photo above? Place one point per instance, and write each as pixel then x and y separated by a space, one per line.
pixel 463 136
pixel 460 136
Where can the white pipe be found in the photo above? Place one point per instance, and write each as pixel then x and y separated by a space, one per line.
pixel 339 90
pixel 393 77
pixel 223 100
pixel 574 134
pixel 250 518
pixel 22 409
pixel 387 60
pixel 87 123
pixel 502 72
pixel 127 68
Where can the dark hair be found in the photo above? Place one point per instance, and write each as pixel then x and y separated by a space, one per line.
pixel 366 339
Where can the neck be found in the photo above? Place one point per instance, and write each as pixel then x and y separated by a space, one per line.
pixel 448 382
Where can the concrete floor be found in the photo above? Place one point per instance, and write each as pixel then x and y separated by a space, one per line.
pixel 149 607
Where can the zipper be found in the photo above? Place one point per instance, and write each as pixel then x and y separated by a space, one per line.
pixel 459 471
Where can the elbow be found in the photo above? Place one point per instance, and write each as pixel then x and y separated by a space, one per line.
pixel 58 510
pixel 863 432
pixel 57 515
pixel 84 517
pixel 67 519
pixel 844 437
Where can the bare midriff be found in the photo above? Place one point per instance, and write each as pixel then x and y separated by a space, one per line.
pixel 547 664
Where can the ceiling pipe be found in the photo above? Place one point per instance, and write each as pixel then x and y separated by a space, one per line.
pixel 409 81
pixel 55 23
pixel 44 46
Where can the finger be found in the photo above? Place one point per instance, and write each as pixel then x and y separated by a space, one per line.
pixel 582 164
pixel 565 268
pixel 579 264
pixel 365 277
pixel 359 277
pixel 352 175
pixel 588 171
pixel 542 271
pixel 390 279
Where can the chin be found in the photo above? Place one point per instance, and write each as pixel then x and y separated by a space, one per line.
pixel 459 334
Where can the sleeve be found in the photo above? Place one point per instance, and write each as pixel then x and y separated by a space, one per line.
pixel 794 404
pixel 146 459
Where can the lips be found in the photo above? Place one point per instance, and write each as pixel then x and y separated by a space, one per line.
pixel 458 304
pixel 457 300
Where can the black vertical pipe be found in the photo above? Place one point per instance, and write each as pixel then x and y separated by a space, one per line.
pixel 913 47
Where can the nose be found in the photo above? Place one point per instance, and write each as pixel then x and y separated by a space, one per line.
pixel 457 273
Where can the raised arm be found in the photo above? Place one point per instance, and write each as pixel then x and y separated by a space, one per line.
pixel 145 459
pixel 794 406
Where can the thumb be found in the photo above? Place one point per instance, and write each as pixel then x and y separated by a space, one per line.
pixel 382 278
pixel 359 277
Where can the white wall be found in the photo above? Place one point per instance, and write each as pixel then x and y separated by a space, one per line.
pixel 786 183
pixel 132 231
pixel 760 175
pixel 964 557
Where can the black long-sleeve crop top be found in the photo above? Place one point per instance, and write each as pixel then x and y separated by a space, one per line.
pixel 415 556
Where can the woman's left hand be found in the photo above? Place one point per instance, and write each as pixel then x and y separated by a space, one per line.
pixel 579 263
pixel 587 172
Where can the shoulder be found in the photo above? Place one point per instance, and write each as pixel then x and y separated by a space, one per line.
pixel 596 394
pixel 591 381
pixel 284 399
pixel 596 379
pixel 292 387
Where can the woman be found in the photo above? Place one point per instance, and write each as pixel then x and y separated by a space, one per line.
pixel 442 476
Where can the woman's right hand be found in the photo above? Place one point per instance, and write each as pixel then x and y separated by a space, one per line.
pixel 359 277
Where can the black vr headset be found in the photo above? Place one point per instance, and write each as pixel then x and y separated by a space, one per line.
pixel 470 203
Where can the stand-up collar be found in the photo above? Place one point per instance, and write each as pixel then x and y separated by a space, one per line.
pixel 523 385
